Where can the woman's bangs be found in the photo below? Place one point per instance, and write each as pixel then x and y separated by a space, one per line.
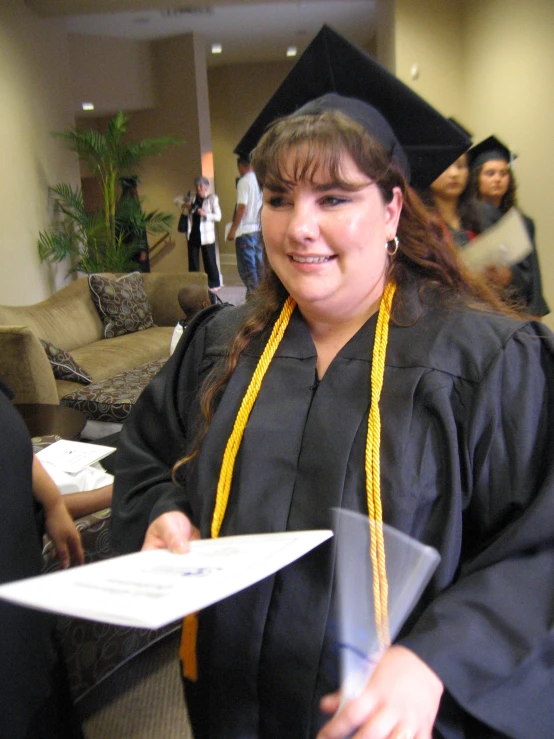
pixel 310 161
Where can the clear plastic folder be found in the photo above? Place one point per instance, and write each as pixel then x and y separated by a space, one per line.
pixel 409 567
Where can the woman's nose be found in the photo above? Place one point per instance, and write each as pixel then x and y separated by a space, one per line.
pixel 303 224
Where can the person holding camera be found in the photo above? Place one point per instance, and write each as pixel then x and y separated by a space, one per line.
pixel 203 211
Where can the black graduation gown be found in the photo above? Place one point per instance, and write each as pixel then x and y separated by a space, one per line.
pixel 467 430
pixel 34 695
pixel 526 284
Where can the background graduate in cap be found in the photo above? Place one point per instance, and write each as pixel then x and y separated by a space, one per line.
pixel 367 372
pixel 492 181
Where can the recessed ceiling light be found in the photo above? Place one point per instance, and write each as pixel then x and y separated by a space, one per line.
pixel 216 48
pixel 87 106
pixel 292 51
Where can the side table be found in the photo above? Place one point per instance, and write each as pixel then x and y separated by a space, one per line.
pixel 43 419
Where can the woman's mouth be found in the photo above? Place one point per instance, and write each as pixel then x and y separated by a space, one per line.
pixel 310 260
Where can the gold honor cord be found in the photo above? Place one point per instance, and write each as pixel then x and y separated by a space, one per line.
pixel 373 471
pixel 372 466
pixel 232 448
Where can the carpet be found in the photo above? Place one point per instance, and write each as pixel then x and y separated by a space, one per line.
pixel 143 699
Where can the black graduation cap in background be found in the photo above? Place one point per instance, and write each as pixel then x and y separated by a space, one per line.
pixel 332 64
pixel 488 150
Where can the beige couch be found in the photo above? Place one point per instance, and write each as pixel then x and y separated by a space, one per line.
pixel 69 320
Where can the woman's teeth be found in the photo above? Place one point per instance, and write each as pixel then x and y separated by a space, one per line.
pixel 310 260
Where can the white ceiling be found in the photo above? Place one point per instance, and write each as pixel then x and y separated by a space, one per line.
pixel 248 31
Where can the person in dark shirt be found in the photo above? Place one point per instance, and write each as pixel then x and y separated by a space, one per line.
pixel 35 702
pixel 203 213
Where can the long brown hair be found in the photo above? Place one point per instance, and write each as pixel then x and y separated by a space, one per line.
pixel 320 142
pixel 509 198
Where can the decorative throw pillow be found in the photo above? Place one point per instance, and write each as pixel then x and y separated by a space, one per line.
pixel 122 303
pixel 64 366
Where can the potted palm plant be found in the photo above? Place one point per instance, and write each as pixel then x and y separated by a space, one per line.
pixel 106 239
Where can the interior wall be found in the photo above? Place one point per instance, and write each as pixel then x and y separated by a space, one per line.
pixel 35 93
pixel 176 63
pixel 508 75
pixel 114 74
pixel 385 50
pixel 428 34
pixel 237 95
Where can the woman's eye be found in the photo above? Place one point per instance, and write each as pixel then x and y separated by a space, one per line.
pixel 333 200
pixel 275 201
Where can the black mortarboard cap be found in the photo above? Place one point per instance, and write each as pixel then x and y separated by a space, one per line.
pixel 488 150
pixel 462 128
pixel 331 64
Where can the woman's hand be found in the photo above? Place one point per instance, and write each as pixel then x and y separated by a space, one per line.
pixel 64 534
pixel 501 276
pixel 400 701
pixel 171 531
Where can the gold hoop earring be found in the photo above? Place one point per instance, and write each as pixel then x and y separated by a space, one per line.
pixel 391 251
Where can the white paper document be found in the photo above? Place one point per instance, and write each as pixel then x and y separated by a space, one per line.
pixel 73 456
pixel 505 243
pixel 151 589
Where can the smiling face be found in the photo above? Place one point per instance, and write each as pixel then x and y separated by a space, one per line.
pixel 452 182
pixel 494 180
pixel 326 239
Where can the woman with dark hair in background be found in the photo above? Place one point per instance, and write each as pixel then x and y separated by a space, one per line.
pixel 493 183
pixel 450 198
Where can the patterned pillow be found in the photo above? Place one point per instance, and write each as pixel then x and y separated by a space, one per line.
pixel 64 366
pixel 122 303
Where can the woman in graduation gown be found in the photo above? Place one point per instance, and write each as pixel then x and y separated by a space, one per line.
pixel 466 431
pixel 450 199
pixel 492 182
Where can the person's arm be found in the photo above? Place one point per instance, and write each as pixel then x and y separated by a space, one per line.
pixel 153 438
pixel 239 213
pixel 59 524
pixel 487 635
pixel 88 501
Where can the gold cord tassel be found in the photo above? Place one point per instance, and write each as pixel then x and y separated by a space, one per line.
pixel 373 471
pixel 232 448
pixel 187 650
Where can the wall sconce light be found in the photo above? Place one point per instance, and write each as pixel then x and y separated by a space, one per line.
pixel 87 106
pixel 292 51
pixel 217 48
